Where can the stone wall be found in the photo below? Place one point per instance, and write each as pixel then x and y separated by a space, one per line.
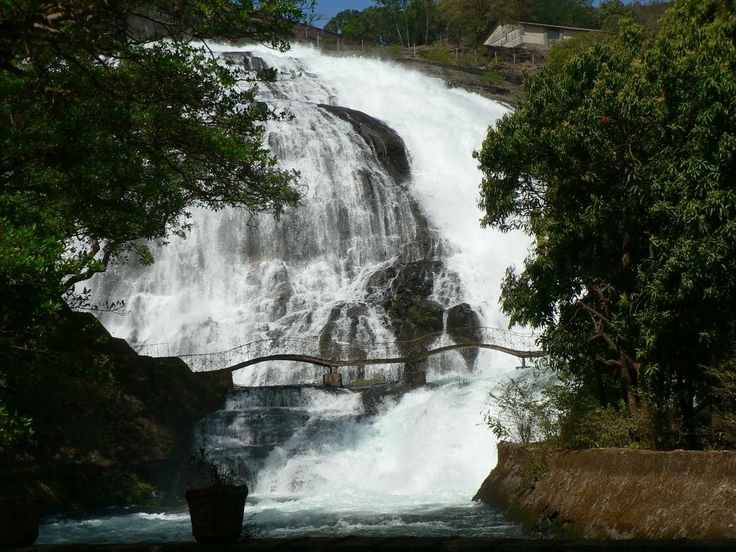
pixel 616 493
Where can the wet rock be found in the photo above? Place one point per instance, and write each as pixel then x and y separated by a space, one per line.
pixel 388 146
pixel 345 325
pixel 420 319
pixel 463 325
pixel 404 292
pixel 462 322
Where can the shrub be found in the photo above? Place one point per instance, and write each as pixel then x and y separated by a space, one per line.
pixel 522 412
pixel 564 414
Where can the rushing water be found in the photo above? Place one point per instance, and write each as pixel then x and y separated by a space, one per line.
pixel 324 462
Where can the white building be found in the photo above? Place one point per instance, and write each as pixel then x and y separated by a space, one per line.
pixel 532 35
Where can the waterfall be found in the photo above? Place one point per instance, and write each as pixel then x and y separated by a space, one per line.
pixel 391 190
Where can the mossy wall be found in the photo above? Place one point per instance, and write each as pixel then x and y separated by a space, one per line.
pixel 616 493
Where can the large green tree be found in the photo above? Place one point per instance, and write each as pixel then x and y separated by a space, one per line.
pixel 621 163
pixel 473 20
pixel 391 22
pixel 574 13
pixel 115 120
pixel 372 26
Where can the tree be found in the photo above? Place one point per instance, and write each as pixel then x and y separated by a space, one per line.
pixel 423 21
pixel 621 166
pixel 473 20
pixel 109 135
pixel 573 13
pixel 611 12
pixel 343 22
pixel 397 9
pixel 372 26
pixel 107 141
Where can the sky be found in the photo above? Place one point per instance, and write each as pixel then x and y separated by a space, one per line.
pixel 327 9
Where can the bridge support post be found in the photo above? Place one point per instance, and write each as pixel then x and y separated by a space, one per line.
pixel 332 380
pixel 413 376
pixel 415 379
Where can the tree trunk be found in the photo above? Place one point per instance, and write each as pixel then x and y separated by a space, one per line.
pixel 629 381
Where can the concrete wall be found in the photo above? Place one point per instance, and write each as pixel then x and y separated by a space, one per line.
pixel 616 493
pixel 531 35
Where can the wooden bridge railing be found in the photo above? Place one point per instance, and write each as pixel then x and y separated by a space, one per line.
pixel 334 354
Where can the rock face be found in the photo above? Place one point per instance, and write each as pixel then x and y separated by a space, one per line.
pixel 165 400
pixel 404 293
pixel 463 324
pixel 386 144
pixel 616 493
pixel 125 438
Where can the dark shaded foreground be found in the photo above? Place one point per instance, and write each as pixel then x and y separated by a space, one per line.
pixel 396 544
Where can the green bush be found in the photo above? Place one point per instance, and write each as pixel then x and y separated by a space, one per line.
pixel 395 51
pixel 491 77
pixel 437 55
pixel 565 414
pixel 13 429
pixel 522 412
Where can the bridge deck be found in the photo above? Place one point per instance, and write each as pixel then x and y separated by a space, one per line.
pixel 336 354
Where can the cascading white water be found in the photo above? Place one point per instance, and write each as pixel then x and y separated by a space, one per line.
pixel 410 466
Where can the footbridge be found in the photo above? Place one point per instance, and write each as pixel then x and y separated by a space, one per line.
pixel 335 354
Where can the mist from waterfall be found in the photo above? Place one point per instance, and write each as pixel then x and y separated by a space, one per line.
pixel 324 464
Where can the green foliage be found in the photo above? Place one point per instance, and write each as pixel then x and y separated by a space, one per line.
pixel 610 14
pixel 123 488
pixel 564 50
pixel 570 13
pixel 534 469
pixel 371 26
pixel 492 78
pixel 521 411
pixel 620 164
pixel 106 141
pixel 400 22
pixel 437 55
pixel 470 22
pixel 584 423
pixel 473 20
pixel 13 430
pixel 530 410
pixel 394 51
pixel 722 434
pixel 109 136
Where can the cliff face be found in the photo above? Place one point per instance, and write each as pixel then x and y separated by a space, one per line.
pixel 110 426
pixel 616 493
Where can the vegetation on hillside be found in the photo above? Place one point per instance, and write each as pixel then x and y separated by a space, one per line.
pixel 620 163
pixel 108 136
pixel 469 22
